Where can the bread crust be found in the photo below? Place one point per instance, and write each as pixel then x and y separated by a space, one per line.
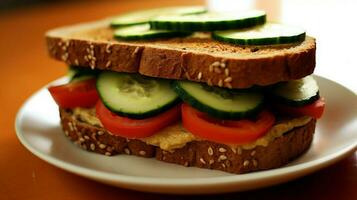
pixel 196 58
pixel 203 154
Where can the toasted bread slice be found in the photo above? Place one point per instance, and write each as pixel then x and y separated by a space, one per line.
pixel 196 58
pixel 197 153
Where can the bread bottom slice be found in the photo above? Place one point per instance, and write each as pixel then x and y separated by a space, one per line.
pixel 203 154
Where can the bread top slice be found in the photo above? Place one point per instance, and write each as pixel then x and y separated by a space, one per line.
pixel 196 58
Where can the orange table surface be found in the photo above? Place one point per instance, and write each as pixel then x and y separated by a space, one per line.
pixel 25 67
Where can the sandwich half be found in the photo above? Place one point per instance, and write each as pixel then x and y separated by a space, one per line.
pixel 220 91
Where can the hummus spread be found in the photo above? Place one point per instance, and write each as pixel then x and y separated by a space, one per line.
pixel 175 136
pixel 87 115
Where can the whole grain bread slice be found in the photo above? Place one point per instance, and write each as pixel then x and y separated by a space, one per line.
pixel 203 154
pixel 196 58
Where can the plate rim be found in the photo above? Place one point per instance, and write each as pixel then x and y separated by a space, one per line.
pixel 306 167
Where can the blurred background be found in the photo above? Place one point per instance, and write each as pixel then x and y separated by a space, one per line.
pixel 25 67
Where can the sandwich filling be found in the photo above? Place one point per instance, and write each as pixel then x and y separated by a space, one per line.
pixel 176 136
pixel 170 114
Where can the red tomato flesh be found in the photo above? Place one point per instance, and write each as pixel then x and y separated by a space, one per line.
pixel 136 128
pixel 76 94
pixel 315 109
pixel 226 131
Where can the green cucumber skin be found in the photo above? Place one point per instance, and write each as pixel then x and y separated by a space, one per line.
pixel 207 26
pixel 118 25
pixel 81 78
pixel 153 36
pixel 289 102
pixel 261 41
pixel 115 25
pixel 186 97
pixel 143 115
pixel 79 72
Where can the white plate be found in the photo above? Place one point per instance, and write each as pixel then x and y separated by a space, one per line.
pixel 37 127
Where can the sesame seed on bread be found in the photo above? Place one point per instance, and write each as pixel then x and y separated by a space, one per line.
pixel 196 58
pixel 202 153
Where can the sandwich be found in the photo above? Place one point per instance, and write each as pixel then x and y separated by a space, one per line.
pixel 222 91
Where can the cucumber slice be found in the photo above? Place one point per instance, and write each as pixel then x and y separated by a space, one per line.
pixel 297 92
pixel 218 102
pixel 143 32
pixel 143 16
pixel 81 78
pixel 78 73
pixel 135 96
pixel 269 33
pixel 71 72
pixel 208 21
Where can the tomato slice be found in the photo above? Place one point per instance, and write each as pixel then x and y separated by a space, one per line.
pixel 226 131
pixel 136 128
pixel 315 109
pixel 75 94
